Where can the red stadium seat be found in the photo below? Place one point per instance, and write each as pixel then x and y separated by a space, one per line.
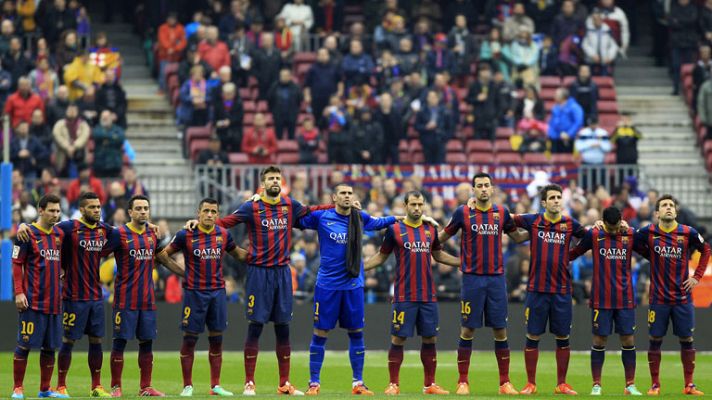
pixel 550 81
pixel 504 132
pixel 568 80
pixel 536 158
pixel 563 158
pixel 288 158
pixel 610 158
pixel 404 157
pixel 455 158
pixel 708 147
pixel 403 146
pixel 246 94
pixel 478 146
pixel 304 58
pixel 604 82
pixel 686 70
pixel 288 146
pixel 262 106
pixel 249 106
pixel 606 94
pixel 466 132
pixel 453 146
pixel 417 158
pixel 172 82
pixel 508 158
pixel 502 146
pixel 547 93
pixel 461 94
pixel 238 158
pixel 481 158
pixel 196 133
pixel 415 146
pixel 196 146
pixel 607 107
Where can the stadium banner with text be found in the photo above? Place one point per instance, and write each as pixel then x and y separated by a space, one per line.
pixel 376 332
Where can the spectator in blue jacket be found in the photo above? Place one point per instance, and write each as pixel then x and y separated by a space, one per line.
pixel 440 58
pixel 109 141
pixel 434 124
pixel 356 66
pixel 27 153
pixel 565 121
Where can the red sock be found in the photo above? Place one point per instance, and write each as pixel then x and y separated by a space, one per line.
pixel 688 364
pixel 145 363
pixel 395 359
pixel 46 369
pixel 187 355
pixel 531 357
pixel 428 356
pixel 464 352
pixel 654 361
pixel 95 360
pixel 251 351
pixel 563 354
pixel 19 366
pixel 117 368
pixel 503 364
pixel 284 351
pixel 64 360
pixel 215 359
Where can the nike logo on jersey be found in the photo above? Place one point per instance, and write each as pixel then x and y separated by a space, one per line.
pixel 129 241
pixel 194 240
pixel 330 223
pixel 656 237
pixel 404 233
pixel 260 211
pixel 599 239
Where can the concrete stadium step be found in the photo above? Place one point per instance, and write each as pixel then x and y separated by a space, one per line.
pixel 667 163
pixel 677 149
pixel 153 134
pixel 147 101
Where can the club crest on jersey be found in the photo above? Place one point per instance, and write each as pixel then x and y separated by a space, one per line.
pixel 150 240
pixel 219 239
pixel 285 209
pixel 427 233
pixel 57 241
pixel 25 338
pixel 563 227
pixel 624 239
pixel 680 239
pixel 396 327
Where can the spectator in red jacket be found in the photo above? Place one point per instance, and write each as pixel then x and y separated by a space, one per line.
pixel 21 104
pixel 214 51
pixel 85 182
pixel 259 143
pixel 171 42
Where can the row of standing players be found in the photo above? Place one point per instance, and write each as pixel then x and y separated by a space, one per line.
pixel 45 248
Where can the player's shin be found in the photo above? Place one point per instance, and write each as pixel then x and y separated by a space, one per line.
pixel 187 356
pixel 531 358
pixel 284 351
pixel 501 351
pixel 628 358
pixel 316 357
pixel 687 355
pixel 95 359
pixel 464 353
pixel 64 360
pixel 215 358
pixel 117 361
pixel 428 356
pixel 357 354
pixel 563 354
pixel 145 362
pixel 46 368
pixel 254 330
pixel 19 365
pixel 395 359
pixel 598 356
pixel 654 361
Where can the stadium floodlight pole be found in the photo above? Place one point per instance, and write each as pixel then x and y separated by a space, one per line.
pixel 6 214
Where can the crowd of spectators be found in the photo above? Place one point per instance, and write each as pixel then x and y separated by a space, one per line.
pixel 352 90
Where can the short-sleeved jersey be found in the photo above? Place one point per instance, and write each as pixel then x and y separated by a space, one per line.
pixel 413 246
pixel 269 229
pixel 203 252
pixel 81 258
pixel 481 242
pixel 134 253
pixel 37 267
pixel 549 244
pixel 612 254
pixel 669 256
pixel 332 229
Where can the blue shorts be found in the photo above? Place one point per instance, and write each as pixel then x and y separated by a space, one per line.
pixel 83 318
pixel 409 315
pixel 556 309
pixel 483 301
pixel 204 307
pixel 130 324
pixel 682 316
pixel 345 306
pixel 39 330
pixel 269 294
pixel 602 321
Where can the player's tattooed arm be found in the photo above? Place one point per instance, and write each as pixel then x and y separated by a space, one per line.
pixel 443 236
pixel 447 259
pixel 519 236
pixel 375 261
pixel 164 257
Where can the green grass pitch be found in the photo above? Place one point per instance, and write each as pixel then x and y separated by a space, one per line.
pixel 336 374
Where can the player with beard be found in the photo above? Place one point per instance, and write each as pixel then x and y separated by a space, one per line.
pixel 670 247
pixel 484 292
pixel 414 299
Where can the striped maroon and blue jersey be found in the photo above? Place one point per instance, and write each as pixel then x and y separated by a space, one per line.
pixel 81 259
pixel 549 244
pixel 203 252
pixel 481 241
pixel 413 247
pixel 269 226
pixel 134 254
pixel 37 266
pixel 669 253
pixel 612 254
